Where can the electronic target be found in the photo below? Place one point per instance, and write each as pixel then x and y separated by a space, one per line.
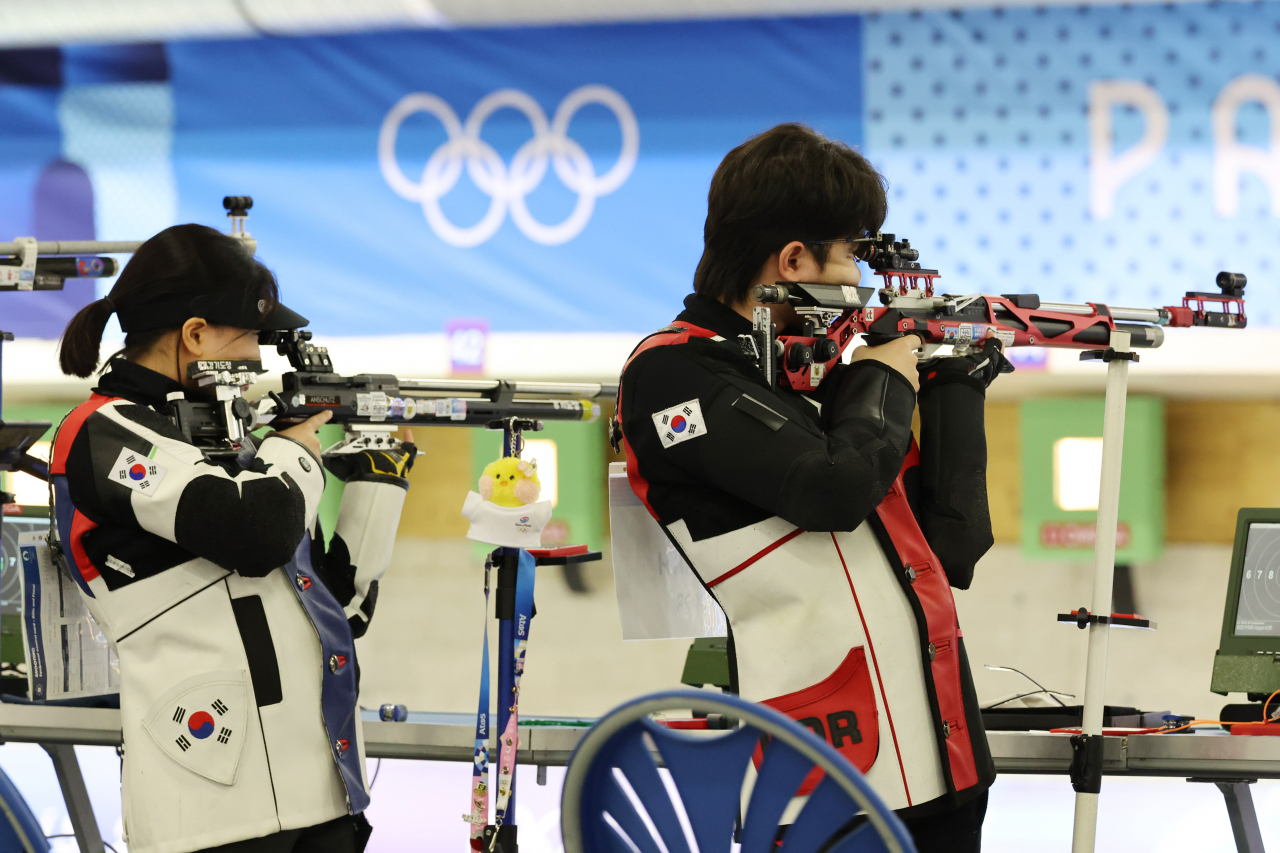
pixel 10 584
pixel 1258 614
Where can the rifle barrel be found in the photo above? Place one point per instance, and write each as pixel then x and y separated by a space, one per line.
pixel 1132 315
pixel 590 390
pixel 77 247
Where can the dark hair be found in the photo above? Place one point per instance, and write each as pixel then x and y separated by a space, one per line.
pixel 185 259
pixel 788 183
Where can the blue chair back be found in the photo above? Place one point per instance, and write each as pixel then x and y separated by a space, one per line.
pixel 616 801
pixel 19 829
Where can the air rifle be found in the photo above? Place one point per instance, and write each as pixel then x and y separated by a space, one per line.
pixel 370 406
pixel 833 314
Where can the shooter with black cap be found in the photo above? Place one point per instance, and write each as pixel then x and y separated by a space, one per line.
pixel 233 621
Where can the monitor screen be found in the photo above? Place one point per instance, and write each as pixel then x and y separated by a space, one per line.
pixel 1258 614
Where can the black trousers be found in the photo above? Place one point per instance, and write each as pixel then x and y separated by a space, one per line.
pixel 956 831
pixel 347 834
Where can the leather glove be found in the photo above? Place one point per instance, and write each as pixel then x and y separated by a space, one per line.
pixel 372 464
pixel 978 369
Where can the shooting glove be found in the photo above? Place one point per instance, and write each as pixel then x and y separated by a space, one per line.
pixel 978 369
pixel 393 463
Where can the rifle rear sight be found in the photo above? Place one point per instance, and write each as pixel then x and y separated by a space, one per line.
pixel 888 254
pixel 296 346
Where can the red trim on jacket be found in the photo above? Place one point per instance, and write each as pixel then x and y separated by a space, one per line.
pixel 893 732
pixel 934 593
pixel 769 549
pixel 65 438
pixel 80 525
pixel 639 484
pixel 70 428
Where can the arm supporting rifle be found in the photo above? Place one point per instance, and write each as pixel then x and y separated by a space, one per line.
pixel 952 500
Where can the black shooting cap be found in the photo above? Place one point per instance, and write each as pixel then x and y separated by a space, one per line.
pixel 245 308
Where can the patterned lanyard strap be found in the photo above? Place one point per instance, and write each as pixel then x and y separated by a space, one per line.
pixel 509 741
pixel 479 816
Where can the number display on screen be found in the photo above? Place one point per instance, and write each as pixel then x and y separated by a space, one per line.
pixel 1258 614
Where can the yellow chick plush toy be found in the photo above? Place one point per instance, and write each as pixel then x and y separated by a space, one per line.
pixel 510 482
pixel 505 510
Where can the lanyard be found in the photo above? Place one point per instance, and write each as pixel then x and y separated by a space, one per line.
pixel 509 740
pixel 479 816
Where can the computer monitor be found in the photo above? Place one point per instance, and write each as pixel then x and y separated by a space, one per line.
pixel 1248 659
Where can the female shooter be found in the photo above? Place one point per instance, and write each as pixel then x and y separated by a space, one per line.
pixel 233 621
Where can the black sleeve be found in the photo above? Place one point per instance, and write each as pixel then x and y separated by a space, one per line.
pixel 249 522
pixel 952 505
pixel 760 449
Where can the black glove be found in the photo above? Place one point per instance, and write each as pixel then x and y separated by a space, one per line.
pixel 978 369
pixel 372 464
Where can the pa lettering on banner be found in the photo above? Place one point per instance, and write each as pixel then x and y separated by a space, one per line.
pixel 1232 159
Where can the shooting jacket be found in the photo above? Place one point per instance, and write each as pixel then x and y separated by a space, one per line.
pixel 830 539
pixel 233 623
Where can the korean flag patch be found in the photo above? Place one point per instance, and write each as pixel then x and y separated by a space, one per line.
pixel 680 423
pixel 135 471
pixel 201 723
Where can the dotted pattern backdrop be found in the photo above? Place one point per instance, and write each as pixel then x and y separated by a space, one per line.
pixel 980 121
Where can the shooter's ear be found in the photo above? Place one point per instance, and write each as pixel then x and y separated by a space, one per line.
pixel 194 335
pixel 792 260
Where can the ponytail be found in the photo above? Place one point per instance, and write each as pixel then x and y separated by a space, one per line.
pixel 82 339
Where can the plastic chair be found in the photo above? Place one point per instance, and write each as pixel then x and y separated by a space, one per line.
pixel 19 829
pixel 615 800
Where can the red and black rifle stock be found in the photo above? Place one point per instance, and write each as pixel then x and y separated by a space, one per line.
pixel 910 304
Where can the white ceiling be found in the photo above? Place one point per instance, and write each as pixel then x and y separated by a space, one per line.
pixel 40 23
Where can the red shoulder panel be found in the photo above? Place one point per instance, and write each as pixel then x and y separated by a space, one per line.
pixel 71 428
pixel 678 332
pixel 80 525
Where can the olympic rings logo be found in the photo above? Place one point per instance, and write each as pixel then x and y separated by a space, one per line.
pixel 506 186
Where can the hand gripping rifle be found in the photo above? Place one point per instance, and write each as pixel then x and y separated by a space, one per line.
pixel 833 314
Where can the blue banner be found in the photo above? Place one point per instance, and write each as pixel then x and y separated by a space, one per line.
pixel 554 179
pixel 546 179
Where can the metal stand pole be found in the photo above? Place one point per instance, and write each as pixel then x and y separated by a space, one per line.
pixel 1104 559
pixel 1240 811
pixel 80 810
pixel 1243 817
